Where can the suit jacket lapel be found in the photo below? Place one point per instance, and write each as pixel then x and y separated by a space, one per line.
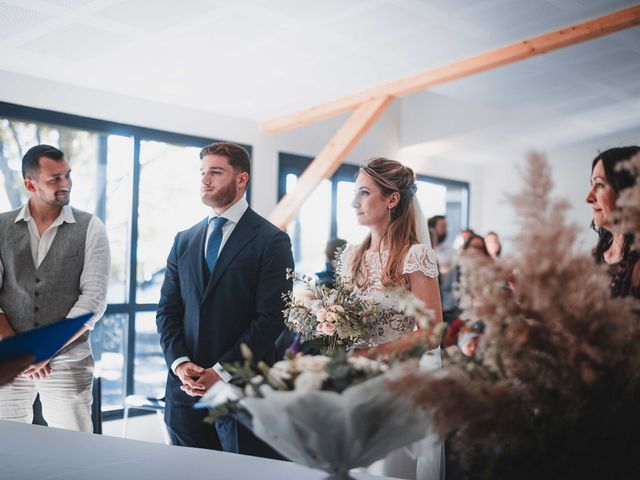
pixel 196 256
pixel 242 234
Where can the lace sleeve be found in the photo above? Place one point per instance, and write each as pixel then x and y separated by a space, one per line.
pixel 421 258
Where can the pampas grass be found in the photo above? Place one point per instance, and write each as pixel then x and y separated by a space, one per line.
pixel 554 391
pixel 628 202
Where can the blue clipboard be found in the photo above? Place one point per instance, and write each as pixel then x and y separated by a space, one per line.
pixel 42 342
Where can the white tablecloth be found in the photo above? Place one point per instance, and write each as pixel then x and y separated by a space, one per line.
pixel 30 452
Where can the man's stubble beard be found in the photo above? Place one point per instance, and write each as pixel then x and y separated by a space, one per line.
pixel 54 202
pixel 224 197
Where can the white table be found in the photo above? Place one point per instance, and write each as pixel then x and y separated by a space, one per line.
pixel 31 452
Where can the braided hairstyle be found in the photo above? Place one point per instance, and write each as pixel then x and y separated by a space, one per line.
pixel 390 176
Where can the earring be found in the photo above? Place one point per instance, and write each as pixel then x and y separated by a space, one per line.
pixel 389 213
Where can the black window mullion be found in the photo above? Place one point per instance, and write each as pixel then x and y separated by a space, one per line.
pixel 133 271
pixel 101 178
pixel 333 229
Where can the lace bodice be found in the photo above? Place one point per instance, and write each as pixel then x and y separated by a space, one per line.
pixel 419 258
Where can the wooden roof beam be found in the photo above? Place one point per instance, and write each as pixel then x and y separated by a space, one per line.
pixel 329 159
pixel 571 35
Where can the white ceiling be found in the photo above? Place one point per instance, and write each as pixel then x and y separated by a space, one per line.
pixel 256 59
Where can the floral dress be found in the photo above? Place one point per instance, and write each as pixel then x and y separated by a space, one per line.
pixel 419 258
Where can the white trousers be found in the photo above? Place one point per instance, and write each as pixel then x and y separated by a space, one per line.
pixel 65 393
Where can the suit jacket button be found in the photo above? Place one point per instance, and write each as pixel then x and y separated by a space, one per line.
pixel 37 280
pixel 35 309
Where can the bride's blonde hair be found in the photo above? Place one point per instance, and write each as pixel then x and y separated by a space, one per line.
pixel 390 176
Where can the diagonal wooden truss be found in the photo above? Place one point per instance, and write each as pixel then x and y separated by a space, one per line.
pixel 367 106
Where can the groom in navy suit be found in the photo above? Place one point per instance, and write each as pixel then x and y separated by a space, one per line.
pixel 223 287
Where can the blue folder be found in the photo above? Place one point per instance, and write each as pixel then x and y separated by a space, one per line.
pixel 42 342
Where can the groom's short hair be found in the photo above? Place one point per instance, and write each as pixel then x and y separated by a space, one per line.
pixel 238 157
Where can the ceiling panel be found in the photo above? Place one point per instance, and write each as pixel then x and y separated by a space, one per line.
pixel 157 14
pixel 15 19
pixel 259 58
pixel 69 3
pixel 378 21
pixel 76 42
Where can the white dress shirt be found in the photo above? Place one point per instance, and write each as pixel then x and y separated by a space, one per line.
pixel 94 278
pixel 233 214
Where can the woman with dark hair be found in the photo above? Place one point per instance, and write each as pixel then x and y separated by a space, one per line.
pixel 614 246
pixel 475 243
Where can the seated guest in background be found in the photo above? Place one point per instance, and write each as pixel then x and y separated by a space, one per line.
pixel 327 277
pixel 469 337
pixel 54 263
pixel 223 287
pixel 461 238
pixel 438 225
pixel 445 253
pixel 475 244
pixel 493 244
pixel 614 247
pixel 453 332
pixel 446 257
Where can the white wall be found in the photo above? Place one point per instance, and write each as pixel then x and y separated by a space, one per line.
pixel 570 170
pixel 430 135
pixel 382 139
pixel 439 166
pixel 451 138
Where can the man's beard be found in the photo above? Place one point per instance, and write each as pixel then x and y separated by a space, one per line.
pixel 224 196
pixel 441 238
pixel 55 202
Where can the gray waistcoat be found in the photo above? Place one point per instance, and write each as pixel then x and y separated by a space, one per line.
pixel 33 297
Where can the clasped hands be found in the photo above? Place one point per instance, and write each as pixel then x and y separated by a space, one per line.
pixel 196 380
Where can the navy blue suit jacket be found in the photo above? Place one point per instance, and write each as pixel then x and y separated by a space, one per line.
pixel 207 317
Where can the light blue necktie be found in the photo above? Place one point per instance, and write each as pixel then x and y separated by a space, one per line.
pixel 213 245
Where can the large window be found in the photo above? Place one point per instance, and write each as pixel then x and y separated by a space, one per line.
pixel 144 185
pixel 328 213
pixel 168 203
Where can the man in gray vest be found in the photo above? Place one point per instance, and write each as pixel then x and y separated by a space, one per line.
pixel 54 263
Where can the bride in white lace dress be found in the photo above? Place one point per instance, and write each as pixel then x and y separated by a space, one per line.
pixel 396 253
pixel 393 254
